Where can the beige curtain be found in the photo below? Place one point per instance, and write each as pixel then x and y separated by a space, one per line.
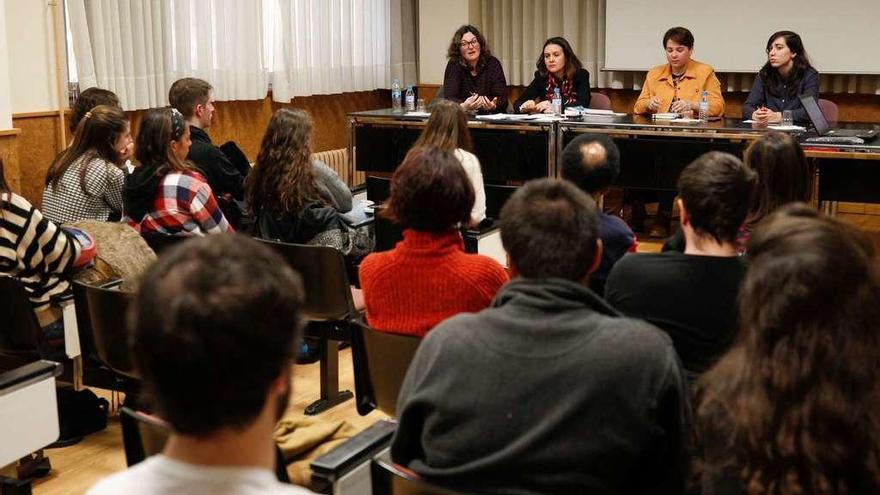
pixel 516 31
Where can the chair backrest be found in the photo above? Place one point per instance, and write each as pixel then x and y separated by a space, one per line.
pixel 829 110
pixel 324 276
pixel 21 330
pixel 107 309
pixel 599 101
pixel 148 438
pixel 496 196
pixel 161 242
pixel 378 188
pixel 383 360
pixel 390 479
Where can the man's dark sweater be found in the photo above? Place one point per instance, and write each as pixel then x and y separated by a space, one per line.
pixel 547 391
pixel 692 298
pixel 226 180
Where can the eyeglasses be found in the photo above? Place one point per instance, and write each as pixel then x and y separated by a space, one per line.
pixel 468 44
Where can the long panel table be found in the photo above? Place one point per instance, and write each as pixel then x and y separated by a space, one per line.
pixel 653 153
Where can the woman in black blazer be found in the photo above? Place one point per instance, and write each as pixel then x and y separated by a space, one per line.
pixel 558 67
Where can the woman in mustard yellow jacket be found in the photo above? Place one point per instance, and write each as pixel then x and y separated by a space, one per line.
pixel 673 87
pixel 676 85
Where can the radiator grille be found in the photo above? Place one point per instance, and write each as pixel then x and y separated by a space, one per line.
pixel 338 160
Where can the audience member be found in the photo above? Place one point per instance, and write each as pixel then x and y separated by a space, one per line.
pixel 549 390
pixel 692 295
pixel 87 100
pixel 194 98
pixel 592 162
pixel 165 194
pixel 792 408
pixel 785 77
pixel 558 69
pixel 427 277
pixel 675 86
pixel 474 78
pixel 297 199
pixel 41 256
pixel 85 181
pixel 214 348
pixel 783 177
pixel 447 130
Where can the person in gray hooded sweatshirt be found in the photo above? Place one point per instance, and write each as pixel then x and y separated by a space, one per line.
pixel 549 390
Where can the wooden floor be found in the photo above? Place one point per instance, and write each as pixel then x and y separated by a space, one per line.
pixel 76 468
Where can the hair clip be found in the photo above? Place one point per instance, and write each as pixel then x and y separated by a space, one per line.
pixel 178 124
pixel 87 116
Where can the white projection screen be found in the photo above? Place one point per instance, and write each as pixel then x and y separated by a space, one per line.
pixel 840 36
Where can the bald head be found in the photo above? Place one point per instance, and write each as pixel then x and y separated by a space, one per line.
pixel 592 162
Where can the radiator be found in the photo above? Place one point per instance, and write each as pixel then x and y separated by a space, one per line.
pixel 338 161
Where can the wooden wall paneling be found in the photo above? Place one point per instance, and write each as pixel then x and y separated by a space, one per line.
pixel 11 162
pixel 37 148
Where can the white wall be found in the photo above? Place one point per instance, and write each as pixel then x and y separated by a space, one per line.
pixel 438 20
pixel 5 100
pixel 31 55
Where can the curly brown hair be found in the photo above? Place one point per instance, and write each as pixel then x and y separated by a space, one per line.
pixel 453 53
pixel 283 178
pixel 797 400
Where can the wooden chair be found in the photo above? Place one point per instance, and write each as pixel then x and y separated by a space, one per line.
pixel 106 309
pixel 599 101
pixel 829 109
pixel 328 307
pixel 390 479
pixel 380 362
pixel 20 338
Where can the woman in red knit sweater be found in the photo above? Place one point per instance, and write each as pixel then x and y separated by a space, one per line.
pixel 428 277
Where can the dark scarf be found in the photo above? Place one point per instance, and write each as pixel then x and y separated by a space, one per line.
pixel 566 89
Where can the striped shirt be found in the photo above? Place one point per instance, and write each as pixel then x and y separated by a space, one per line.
pixel 69 203
pixel 34 250
pixel 184 205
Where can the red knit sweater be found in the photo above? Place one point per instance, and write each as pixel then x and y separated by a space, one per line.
pixel 425 279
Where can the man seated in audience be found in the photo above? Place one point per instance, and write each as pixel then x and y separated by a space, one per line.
pixel 194 98
pixel 692 295
pixel 215 350
pixel 592 162
pixel 549 390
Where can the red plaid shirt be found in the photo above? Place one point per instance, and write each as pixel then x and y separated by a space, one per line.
pixel 184 205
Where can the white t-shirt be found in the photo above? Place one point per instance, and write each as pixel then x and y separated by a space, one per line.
pixel 471 165
pixel 160 474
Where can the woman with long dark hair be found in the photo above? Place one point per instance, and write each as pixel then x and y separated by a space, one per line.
pixel 166 194
pixel 474 78
pixel 296 199
pixel 85 181
pixel 558 68
pixel 785 77
pixel 447 130
pixel 794 407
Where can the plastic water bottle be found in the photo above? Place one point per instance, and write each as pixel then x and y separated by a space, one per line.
pixel 704 106
pixel 410 99
pixel 396 100
pixel 556 103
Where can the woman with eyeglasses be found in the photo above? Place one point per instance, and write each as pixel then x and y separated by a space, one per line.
pixel 558 69
pixel 474 78
pixel 166 194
